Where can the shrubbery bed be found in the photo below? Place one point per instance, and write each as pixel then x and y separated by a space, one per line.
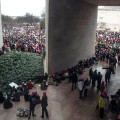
pixel 17 67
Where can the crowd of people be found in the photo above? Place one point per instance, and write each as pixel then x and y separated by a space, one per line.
pixel 108 45
pixel 107 42
pixel 95 79
pixel 72 74
pixel 24 39
pixel 110 39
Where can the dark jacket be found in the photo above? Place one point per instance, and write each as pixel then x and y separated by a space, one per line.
pixel 7 104
pixel 2 99
pixel 99 78
pixel 33 101
pixel 74 78
pixel 95 76
pixel 91 73
pixel 44 101
pixel 107 75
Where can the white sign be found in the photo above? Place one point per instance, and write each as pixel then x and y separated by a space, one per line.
pixel 13 84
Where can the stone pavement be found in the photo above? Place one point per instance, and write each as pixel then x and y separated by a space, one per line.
pixel 65 104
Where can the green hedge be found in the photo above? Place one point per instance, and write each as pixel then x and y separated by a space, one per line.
pixel 17 67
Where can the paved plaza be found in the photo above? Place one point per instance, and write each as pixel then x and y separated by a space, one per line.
pixel 65 104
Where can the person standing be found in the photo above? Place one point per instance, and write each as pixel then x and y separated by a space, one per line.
pixel 7 103
pixel 107 57
pixel 30 84
pixel 46 76
pixel 26 93
pixel 99 79
pixel 80 87
pixel 86 86
pixel 101 104
pixel 118 59
pixel 44 104
pixel 94 78
pixel 114 62
pixel 74 80
pixel 2 98
pixel 107 77
pixel 90 73
pixel 33 102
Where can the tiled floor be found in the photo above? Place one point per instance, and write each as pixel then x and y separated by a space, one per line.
pixel 65 104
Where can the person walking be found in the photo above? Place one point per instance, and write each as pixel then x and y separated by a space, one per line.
pixel 44 104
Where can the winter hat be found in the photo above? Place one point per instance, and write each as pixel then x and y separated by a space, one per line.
pixel 44 93
pixel 34 92
pixel 104 94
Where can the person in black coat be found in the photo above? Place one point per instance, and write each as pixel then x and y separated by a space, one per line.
pixel 107 57
pixel 85 87
pixel 2 99
pixel 90 73
pixel 44 104
pixel 12 90
pixel 118 93
pixel 114 62
pixel 74 80
pixel 94 78
pixel 107 77
pixel 7 103
pixel 99 79
pixel 26 93
pixel 16 96
pixel 33 102
pixel 46 76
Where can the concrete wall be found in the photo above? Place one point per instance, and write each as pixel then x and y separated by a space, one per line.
pixel 71 33
pixel 1 39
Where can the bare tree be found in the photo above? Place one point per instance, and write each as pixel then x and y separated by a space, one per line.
pixel 42 20
pixel 103 25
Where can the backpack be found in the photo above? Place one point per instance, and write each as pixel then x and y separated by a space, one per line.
pixel 22 112
pixel 34 100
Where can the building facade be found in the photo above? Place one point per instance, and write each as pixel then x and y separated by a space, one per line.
pixel 109 18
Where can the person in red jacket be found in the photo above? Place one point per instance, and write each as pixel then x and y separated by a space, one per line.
pixel 29 84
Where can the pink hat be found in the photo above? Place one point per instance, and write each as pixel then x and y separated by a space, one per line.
pixel 44 93
pixel 104 94
pixel 81 79
pixel 34 92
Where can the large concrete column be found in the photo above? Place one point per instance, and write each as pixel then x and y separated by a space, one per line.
pixel 71 33
pixel 1 38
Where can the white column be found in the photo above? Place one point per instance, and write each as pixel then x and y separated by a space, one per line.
pixel 1 38
pixel 46 34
